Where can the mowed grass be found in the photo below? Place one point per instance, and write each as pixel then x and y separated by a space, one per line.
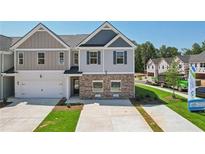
pixel 178 105
pixel 59 121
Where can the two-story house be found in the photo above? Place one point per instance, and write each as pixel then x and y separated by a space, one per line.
pixel 96 65
pixel 6 64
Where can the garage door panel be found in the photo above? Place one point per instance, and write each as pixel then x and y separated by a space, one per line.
pixel 42 89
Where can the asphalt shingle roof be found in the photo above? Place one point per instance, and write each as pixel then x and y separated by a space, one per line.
pixel 197 58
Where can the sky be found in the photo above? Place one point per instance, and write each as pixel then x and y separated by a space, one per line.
pixel 170 33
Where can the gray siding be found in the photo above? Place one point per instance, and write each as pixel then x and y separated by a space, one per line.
pixel 108 62
pixel 119 43
pixel 102 38
pixel 8 88
pixel 8 62
pixel 41 39
pixel 84 67
pixel 110 67
pixel 51 61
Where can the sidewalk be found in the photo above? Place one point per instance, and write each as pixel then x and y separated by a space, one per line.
pixel 169 120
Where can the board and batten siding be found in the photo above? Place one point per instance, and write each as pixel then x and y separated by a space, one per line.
pixel 41 39
pixel 51 61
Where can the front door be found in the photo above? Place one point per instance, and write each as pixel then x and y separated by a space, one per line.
pixel 76 86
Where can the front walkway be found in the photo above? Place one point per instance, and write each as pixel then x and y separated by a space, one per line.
pixel 169 120
pixel 111 116
pixel 24 115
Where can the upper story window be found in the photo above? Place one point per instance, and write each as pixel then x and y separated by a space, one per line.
pixel 148 66
pixel 61 58
pixel 180 66
pixel 152 67
pixel 41 58
pixel 120 57
pixel 163 67
pixel 202 65
pixel 93 57
pixel 75 60
pixel 20 58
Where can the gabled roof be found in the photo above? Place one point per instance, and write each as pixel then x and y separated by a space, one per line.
pixel 5 43
pixel 40 26
pixel 105 26
pixel 197 58
pixel 169 60
pixel 184 58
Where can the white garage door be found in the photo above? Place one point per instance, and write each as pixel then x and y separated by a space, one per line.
pixel 42 89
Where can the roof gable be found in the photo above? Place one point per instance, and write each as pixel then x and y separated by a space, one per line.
pixel 40 37
pixel 103 35
pixel 120 43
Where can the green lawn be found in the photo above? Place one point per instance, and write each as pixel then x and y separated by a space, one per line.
pixel 59 121
pixel 179 105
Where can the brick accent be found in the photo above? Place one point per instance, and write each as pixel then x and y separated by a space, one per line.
pixel 127 85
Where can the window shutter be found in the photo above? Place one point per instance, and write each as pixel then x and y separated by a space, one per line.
pixel 114 57
pixel 99 57
pixel 125 56
pixel 88 57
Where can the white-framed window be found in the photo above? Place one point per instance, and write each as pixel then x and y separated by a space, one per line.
pixel 180 66
pixel 97 85
pixel 41 58
pixel 162 66
pixel 120 57
pixel 202 65
pixel 152 67
pixel 20 58
pixel 115 85
pixel 75 58
pixel 93 57
pixel 61 57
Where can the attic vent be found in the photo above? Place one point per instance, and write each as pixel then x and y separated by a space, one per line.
pixel 106 27
pixel 41 29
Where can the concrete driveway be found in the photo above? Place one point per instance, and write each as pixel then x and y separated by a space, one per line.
pixel 111 116
pixel 24 115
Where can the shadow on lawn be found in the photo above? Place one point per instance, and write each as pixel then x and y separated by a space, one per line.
pixel 148 97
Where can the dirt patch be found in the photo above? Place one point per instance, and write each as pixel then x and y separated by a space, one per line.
pixel 68 107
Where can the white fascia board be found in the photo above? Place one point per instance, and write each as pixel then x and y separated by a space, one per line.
pixel 108 73
pixel 6 52
pixel 41 71
pixel 8 74
pixel 35 30
pixel 105 48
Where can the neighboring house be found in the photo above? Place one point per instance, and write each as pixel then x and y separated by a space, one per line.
pixel 6 64
pixel 161 65
pixel 47 65
pixel 199 62
pixel 152 67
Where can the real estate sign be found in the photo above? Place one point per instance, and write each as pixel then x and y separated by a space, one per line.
pixel 194 103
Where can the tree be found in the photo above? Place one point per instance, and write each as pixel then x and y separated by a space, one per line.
pixel 166 52
pixel 138 60
pixel 172 76
pixel 147 51
pixel 196 49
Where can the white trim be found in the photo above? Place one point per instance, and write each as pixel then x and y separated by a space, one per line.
pixel 18 58
pixel 123 58
pixel 6 52
pixel 96 58
pixel 41 58
pixel 43 49
pixel 27 71
pixel 79 68
pixel 103 59
pixel 74 52
pixel 15 61
pixel 113 40
pixel 109 48
pixel 93 81
pixel 111 90
pixel 59 59
pixel 8 74
pixel 108 73
pixel 2 87
pixel 133 60
pixel 2 63
pixel 35 30
pixel 73 75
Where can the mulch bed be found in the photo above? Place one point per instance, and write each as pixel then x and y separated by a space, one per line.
pixel 3 104
pixel 62 106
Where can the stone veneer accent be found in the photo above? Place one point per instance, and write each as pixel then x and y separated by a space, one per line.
pixel 127 85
